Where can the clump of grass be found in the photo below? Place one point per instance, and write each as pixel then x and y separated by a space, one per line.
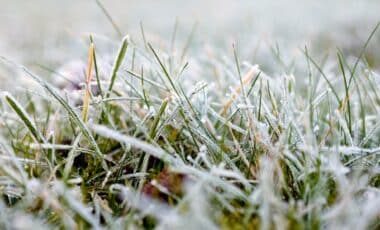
pixel 161 148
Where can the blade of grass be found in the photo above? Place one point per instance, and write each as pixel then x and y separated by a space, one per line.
pixel 146 147
pixel 260 100
pixel 117 63
pixel 20 111
pixel 70 157
pixel 346 100
pixel 110 19
pixel 164 69
pixel 174 34
pixel 188 42
pixel 237 63
pixel 143 35
pixel 146 100
pixel 323 75
pixel 253 84
pixel 86 97
pixel 96 70
pixel 157 119
pixel 150 81
pixel 272 100
pixel 362 53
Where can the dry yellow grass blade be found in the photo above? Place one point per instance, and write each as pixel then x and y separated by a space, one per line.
pixel 86 97
pixel 247 78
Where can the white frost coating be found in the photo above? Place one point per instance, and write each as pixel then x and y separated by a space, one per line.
pixel 148 148
pixel 346 150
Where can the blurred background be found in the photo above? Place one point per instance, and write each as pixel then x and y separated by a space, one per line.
pixel 55 31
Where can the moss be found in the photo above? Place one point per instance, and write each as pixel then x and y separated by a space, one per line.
pixel 235 221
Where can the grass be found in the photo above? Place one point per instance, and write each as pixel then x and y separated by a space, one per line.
pixel 222 146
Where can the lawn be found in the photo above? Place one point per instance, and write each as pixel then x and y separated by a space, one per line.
pixel 115 118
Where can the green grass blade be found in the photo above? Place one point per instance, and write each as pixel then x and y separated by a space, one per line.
pixel 324 76
pixel 109 17
pixel 117 63
pixel 362 53
pixel 20 111
pixel 157 119
pixel 96 70
pixel 346 88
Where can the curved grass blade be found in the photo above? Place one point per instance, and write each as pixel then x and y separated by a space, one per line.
pixel 30 125
pixel 148 148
